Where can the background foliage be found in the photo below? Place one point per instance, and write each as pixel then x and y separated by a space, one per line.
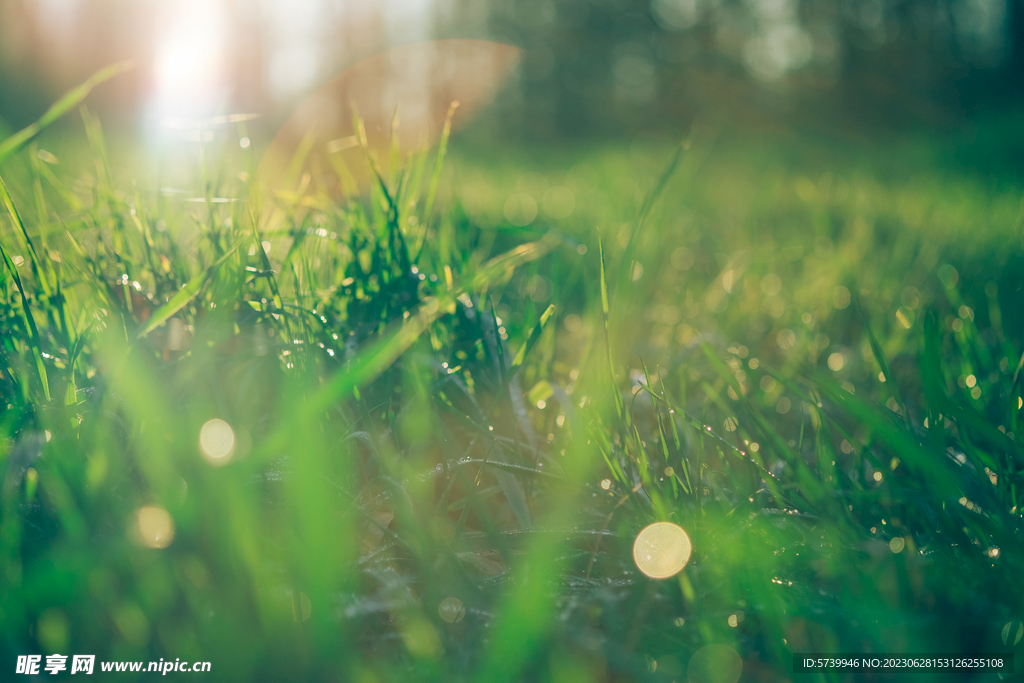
pixel 592 68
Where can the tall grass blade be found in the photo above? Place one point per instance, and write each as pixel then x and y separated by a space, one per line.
pixel 12 211
pixel 435 177
pixel 184 296
pixel 531 339
pixel 30 323
pixel 620 405
pixel 71 99
pixel 883 363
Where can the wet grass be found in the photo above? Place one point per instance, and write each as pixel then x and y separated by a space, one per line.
pixel 810 366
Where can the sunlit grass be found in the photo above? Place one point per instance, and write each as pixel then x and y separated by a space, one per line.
pixel 313 439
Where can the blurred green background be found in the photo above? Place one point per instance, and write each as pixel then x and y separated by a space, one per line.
pixel 591 67
pixel 311 437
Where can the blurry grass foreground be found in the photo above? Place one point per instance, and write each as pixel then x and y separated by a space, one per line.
pixel 392 435
pixel 265 422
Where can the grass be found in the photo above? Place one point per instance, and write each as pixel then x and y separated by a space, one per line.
pixel 811 366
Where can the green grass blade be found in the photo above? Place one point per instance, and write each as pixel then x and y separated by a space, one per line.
pixel 662 436
pixel 30 323
pixel 883 363
pixel 380 355
pixel 435 177
pixel 8 202
pixel 69 101
pixel 183 296
pixel 531 339
pixel 620 405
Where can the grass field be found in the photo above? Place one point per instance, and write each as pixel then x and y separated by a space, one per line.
pixel 412 435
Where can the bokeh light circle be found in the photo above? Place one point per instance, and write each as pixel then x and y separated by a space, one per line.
pixel 714 664
pixel 451 610
pixel 154 527
pixel 217 441
pixel 662 550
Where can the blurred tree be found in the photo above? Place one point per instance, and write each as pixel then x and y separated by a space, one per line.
pixel 590 67
pixel 613 64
